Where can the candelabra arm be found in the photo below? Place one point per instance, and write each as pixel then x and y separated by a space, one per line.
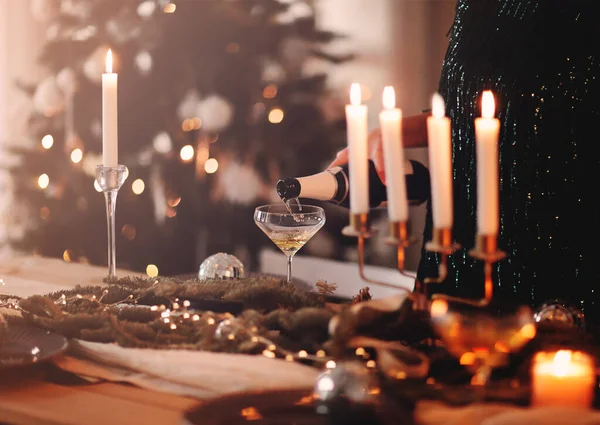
pixel 442 273
pixel 361 268
pixel 486 250
pixel 360 228
pixel 441 243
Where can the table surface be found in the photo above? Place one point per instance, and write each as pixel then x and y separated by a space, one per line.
pixel 44 394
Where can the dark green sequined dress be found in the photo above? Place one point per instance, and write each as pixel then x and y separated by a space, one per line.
pixel 540 58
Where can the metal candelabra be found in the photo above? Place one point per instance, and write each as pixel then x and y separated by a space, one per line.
pixel 486 250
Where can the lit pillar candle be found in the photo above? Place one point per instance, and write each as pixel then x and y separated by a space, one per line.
pixel 564 378
pixel 440 164
pixel 390 123
pixel 358 152
pixel 487 131
pixel 110 139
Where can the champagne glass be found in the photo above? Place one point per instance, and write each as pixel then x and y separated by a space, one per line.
pixel 480 340
pixel 289 227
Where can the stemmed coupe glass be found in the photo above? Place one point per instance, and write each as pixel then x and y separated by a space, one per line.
pixel 289 226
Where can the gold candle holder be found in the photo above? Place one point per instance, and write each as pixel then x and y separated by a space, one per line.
pixel 360 228
pixel 441 243
pixel 486 250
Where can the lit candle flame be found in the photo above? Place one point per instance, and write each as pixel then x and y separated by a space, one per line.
pixel 355 95
pixel 487 105
pixel 389 98
pixel 438 109
pixel 562 360
pixel 109 62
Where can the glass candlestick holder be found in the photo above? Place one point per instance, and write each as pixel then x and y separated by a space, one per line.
pixel 110 180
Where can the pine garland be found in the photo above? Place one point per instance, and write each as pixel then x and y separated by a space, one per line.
pixel 276 318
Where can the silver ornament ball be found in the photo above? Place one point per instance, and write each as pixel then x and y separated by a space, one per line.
pixel 221 266
pixel 560 312
pixel 349 379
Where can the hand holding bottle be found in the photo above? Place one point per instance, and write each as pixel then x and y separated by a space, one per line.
pixel 414 135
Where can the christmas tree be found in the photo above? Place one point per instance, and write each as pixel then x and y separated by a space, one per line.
pixel 215 104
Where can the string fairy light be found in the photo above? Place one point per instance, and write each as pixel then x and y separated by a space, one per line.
pixel 175 316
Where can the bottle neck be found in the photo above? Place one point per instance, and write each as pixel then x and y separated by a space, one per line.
pixel 329 185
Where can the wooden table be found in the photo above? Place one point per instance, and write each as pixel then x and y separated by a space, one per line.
pixel 44 394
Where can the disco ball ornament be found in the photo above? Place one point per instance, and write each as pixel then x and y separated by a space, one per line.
pixel 561 313
pixel 221 266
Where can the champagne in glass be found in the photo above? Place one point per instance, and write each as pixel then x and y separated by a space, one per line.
pixel 290 227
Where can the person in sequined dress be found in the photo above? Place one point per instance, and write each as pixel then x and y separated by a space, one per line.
pixel 541 60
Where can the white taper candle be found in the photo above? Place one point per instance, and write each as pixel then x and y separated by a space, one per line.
pixel 487 131
pixel 390 122
pixel 440 164
pixel 110 138
pixel 358 152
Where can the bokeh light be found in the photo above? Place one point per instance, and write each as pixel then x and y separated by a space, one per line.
pixel 275 116
pixel 211 165
pixel 77 155
pixel 138 186
pixel 47 141
pixel 187 153
pixel 43 181
pixel 152 270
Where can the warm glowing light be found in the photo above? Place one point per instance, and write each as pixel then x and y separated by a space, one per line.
pixel 467 359
pixel 487 105
pixel 173 202
pixel 202 153
pixel 187 125
pixel 76 155
pixel 275 116
pixel 251 414
pixel 561 363
pixel 170 8
pixel 330 364
pixel 211 165
pixel 152 270
pixel 68 255
pixel 109 62
pixel 355 94
pixel 97 186
pixel 196 123
pixel 270 91
pixel 138 186
pixel 528 331
pixel 389 98
pixel 187 153
pixel 438 109
pixel 43 181
pixel 47 141
pixel 439 308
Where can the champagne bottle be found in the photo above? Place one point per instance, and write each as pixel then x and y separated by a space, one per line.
pixel 333 186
